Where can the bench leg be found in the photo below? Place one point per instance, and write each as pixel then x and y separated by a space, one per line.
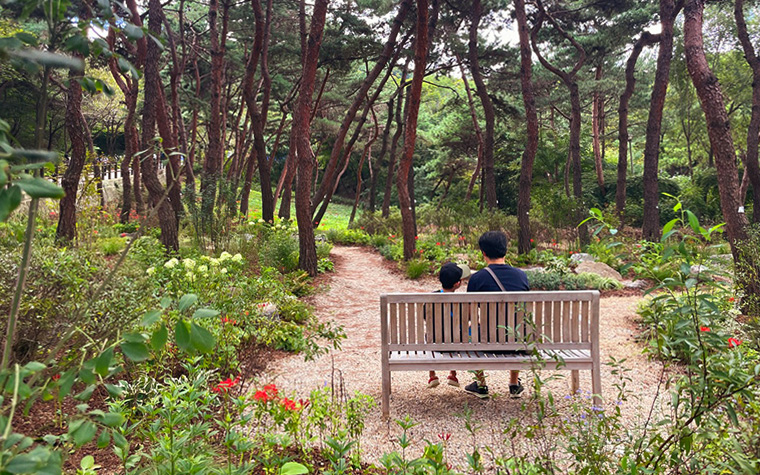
pixel 596 384
pixel 575 381
pixel 386 394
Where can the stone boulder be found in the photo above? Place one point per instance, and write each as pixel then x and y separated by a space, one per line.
pixel 599 268
pixel 583 257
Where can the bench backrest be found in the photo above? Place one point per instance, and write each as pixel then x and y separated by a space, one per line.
pixel 462 321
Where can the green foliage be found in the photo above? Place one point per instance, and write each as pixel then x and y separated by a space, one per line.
pixel 416 268
pixel 111 246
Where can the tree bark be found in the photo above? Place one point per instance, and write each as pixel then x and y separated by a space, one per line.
pixel 258 117
pixel 212 165
pixel 478 131
pixel 400 114
pixel 753 130
pixel 307 258
pixel 718 124
pixel 489 177
pixel 67 219
pixel 383 150
pixel 148 160
pixel 415 93
pixel 366 153
pixel 349 147
pixel 651 225
pixel 328 178
pixel 646 39
pixel 531 119
pixel 569 79
pixel 596 113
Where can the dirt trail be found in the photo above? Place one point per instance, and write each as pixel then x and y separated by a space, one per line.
pixel 352 300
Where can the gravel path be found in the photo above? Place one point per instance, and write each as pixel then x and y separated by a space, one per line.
pixel 353 301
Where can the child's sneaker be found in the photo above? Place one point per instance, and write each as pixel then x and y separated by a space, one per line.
pixel 433 382
pixel 452 381
pixel 477 390
pixel 515 390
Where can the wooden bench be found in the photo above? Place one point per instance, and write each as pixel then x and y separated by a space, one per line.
pixel 487 330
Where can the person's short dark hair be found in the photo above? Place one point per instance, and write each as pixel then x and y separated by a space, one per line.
pixel 449 275
pixel 493 244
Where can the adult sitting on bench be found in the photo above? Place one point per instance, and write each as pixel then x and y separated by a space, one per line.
pixel 496 276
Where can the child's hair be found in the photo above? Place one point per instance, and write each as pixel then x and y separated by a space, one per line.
pixel 493 244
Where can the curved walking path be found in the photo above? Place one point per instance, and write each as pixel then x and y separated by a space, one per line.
pixel 352 301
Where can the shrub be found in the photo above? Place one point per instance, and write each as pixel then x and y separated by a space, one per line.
pixel 323 249
pixel 293 310
pixel 111 246
pixel 416 267
pixel 544 280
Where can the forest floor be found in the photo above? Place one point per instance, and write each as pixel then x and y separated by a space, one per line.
pixel 352 298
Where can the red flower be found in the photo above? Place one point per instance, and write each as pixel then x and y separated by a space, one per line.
pixel 261 396
pixel 361 227
pixel 731 299
pixel 444 437
pixel 223 386
pixel 95 231
pixel 734 342
pixel 304 402
pixel 229 320
pixel 289 404
pixel 271 389
pixel 704 329
pixel 438 244
pixel 56 377
pixel 123 235
pixel 531 240
pixel 416 237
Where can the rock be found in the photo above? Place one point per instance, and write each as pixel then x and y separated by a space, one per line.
pixel 599 268
pixel 635 284
pixel 583 257
pixel 699 269
pixel 534 269
pixel 269 310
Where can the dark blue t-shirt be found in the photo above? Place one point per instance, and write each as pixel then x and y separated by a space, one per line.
pixel 511 278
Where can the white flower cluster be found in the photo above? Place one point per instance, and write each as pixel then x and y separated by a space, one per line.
pixel 192 267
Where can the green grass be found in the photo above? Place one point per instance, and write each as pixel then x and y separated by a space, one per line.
pixel 336 216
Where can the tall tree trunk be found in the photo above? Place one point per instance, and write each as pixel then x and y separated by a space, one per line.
pixel 646 39
pixel 596 118
pixel 400 114
pixel 212 164
pixel 719 131
pixel 383 150
pixel 531 119
pixel 651 225
pixel 347 154
pixel 478 132
pixel 307 258
pixel 489 177
pixel 258 119
pixel 366 154
pixel 569 79
pixel 67 218
pixel 415 93
pixel 753 130
pixel 156 191
pixel 328 178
